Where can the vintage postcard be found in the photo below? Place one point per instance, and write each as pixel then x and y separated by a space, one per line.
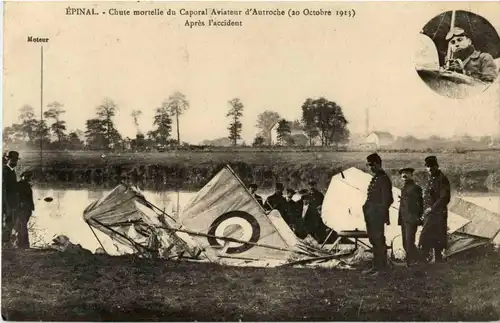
pixel 250 161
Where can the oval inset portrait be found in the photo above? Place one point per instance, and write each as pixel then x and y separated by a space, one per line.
pixel 458 54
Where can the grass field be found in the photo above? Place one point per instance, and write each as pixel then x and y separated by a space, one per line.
pixel 44 285
pixel 469 170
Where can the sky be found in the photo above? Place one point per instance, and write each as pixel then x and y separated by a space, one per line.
pixel 271 63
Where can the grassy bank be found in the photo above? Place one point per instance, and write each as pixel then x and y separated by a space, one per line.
pixel 42 285
pixel 471 171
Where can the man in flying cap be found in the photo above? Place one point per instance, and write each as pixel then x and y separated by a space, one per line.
pixel 467 60
pixel 10 201
pixel 410 213
pixel 437 194
pixel 253 190
pixel 376 212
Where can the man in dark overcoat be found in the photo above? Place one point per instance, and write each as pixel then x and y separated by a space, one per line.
pixel 25 210
pixel 316 197
pixel 9 195
pixel 376 212
pixel 276 201
pixel 437 194
pixel 291 215
pixel 410 213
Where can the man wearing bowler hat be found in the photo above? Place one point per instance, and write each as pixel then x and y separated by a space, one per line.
pixel 410 213
pixel 10 201
pixel 376 211
pixel 435 219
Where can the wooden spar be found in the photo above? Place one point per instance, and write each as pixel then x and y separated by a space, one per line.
pixel 41 108
pixel 95 235
pixel 135 244
pixel 452 25
pixel 328 237
pixel 230 239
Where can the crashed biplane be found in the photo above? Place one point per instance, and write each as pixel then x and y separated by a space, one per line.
pixel 223 223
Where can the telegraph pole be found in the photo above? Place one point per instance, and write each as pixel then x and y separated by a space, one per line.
pixel 41 107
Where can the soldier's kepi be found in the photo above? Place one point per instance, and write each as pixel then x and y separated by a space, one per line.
pixel 437 195
pixel 376 211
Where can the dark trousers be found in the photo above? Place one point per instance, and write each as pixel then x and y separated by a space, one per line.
pixel 375 231
pixel 21 228
pixel 7 225
pixel 408 232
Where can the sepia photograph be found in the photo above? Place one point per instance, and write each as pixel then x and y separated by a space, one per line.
pixel 460 54
pixel 250 161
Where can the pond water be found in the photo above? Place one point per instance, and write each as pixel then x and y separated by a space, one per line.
pixel 64 215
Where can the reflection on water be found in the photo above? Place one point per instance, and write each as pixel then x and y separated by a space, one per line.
pixel 64 215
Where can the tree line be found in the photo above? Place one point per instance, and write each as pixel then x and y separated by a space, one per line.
pixel 322 122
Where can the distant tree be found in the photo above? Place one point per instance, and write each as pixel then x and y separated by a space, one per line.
pixel 258 141
pixel 135 115
pixel 74 141
pixel 308 120
pixel 283 131
pixel 42 134
pixel 326 119
pixel 163 125
pixel 13 134
pixel 265 122
pixel 296 124
pixel 235 113
pixel 58 127
pixel 105 112
pixel 95 133
pixel 28 125
pixel 176 105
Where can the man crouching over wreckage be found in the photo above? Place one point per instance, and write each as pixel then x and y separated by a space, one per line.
pixel 376 212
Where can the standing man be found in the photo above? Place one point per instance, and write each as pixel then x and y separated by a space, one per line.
pixel 316 196
pixel 9 195
pixel 410 213
pixel 253 190
pixel 25 210
pixel 376 211
pixel 437 194
pixel 292 209
pixel 276 201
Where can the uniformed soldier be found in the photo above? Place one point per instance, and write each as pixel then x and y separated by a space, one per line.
pixel 9 195
pixel 253 190
pixel 376 212
pixel 437 194
pixel 410 213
